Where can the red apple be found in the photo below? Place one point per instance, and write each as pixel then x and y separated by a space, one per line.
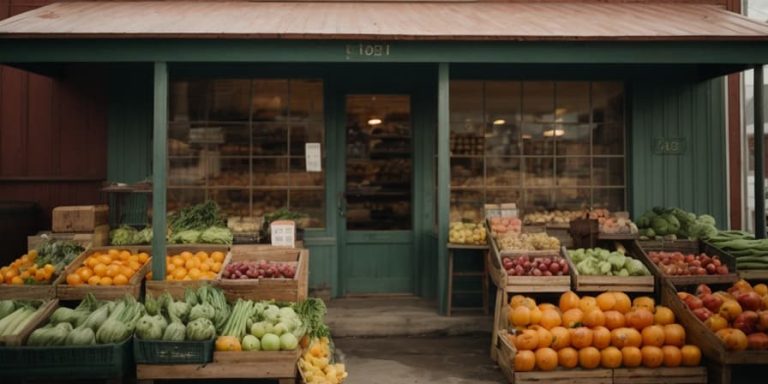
pixel 693 302
pixel 746 322
pixel 750 301
pixel 711 302
pixel 757 340
pixel 703 289
pixel 762 323
pixel 702 313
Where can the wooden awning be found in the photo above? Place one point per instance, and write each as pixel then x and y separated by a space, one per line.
pixel 467 21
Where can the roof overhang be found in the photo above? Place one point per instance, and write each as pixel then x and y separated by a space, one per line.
pixel 700 35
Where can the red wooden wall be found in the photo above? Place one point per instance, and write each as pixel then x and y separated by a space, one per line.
pixel 53 143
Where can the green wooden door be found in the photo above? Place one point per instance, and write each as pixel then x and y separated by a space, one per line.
pixel 376 203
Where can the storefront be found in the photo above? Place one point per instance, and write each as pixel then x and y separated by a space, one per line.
pixel 422 113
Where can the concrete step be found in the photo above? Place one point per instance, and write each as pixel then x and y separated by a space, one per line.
pixel 399 316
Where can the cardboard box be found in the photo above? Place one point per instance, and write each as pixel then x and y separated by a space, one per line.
pixel 83 218
pixel 99 237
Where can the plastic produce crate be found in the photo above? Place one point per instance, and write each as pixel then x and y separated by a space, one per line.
pixel 73 362
pixel 172 352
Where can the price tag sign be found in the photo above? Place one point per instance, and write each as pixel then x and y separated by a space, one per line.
pixel 313 157
pixel 283 233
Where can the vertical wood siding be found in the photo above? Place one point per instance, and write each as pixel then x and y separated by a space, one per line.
pixel 696 180
pixel 52 132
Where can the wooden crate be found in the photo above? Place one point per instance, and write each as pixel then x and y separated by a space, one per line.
pixel 280 365
pixel 178 288
pixel 761 275
pixel 281 289
pixel 507 353
pixel 586 283
pixel 81 218
pixel 41 315
pixel 97 238
pixel 31 291
pixel 525 284
pixel 698 333
pixel 695 279
pixel 133 288
pixel 678 375
pixel 682 245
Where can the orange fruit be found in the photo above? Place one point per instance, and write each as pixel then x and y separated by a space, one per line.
pixel 525 361
pixel 106 280
pixel 49 268
pixel 74 279
pixel 561 338
pixel 205 267
pixel 91 261
pixel 216 267
pixel 594 318
pixel 587 303
pixel 113 270
pixel 527 340
pixel 135 265
pixel 100 270
pixel 194 274
pixel 573 317
pixel 143 257
pixel 170 268
pixel 104 259
pixel 178 261
pixel 674 334
pixel 568 357
pixel 546 359
pixel 545 337
pixel 663 315
pixel 201 255
pixel 520 316
pixel 639 318
pixel 631 357
pixel 569 300
pixel 606 301
pixel 2 278
pixel 550 318
pixel 653 356
pixel 94 280
pixel 85 273
pixel 589 357
pixel 672 356
pixel 691 355
pixel 653 335
pixel 186 278
pixel 217 256
pixel 179 273
pixel 126 271
pixel 17 280
pixel 623 303
pixel 113 253
pixel 125 255
pixel 120 280
pixel 626 337
pixel 25 275
pixel 581 337
pixel 186 255
pixel 191 263
pixel 601 337
pixel 611 357
pixel 614 319
pixel 644 302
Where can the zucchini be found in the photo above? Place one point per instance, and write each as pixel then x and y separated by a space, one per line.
pixel 752 266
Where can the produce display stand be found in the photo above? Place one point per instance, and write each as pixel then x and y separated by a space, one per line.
pixel 280 289
pixel 482 274
pixel 754 275
pixel 702 247
pixel 711 346
pixel 588 283
pixel 43 312
pixel 677 375
pixel 178 288
pixel 228 365
pixel 113 292
pixel 660 244
pixel 507 351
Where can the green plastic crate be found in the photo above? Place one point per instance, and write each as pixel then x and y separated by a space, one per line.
pixel 72 362
pixel 172 352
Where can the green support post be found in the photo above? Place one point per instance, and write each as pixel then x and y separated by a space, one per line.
pixel 159 152
pixel 443 179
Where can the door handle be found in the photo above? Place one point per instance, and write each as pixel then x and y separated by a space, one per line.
pixel 342 204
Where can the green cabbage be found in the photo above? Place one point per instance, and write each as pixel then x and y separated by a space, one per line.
pixel 636 267
pixel 144 236
pixel 660 226
pixel 216 235
pixel 200 329
pixel 706 219
pixel 174 332
pixel 186 237
pixel 123 235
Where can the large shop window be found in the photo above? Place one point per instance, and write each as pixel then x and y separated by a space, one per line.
pixel 541 144
pixel 242 143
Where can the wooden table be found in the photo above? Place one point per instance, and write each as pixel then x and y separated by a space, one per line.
pixel 482 274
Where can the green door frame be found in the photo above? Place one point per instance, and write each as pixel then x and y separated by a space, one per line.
pixel 419 134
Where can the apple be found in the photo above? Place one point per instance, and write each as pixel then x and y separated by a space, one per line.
pixel 702 313
pixel 711 302
pixel 693 302
pixel 757 340
pixel 750 301
pixel 703 289
pixel 746 322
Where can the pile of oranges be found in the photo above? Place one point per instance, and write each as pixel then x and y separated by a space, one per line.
pixel 608 331
pixel 187 266
pixel 25 270
pixel 114 267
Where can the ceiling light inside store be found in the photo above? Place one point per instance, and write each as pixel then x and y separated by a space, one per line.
pixel 374 121
pixel 554 132
pixel 499 122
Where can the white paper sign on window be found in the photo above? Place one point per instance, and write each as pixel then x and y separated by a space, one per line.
pixel 313 157
pixel 283 233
